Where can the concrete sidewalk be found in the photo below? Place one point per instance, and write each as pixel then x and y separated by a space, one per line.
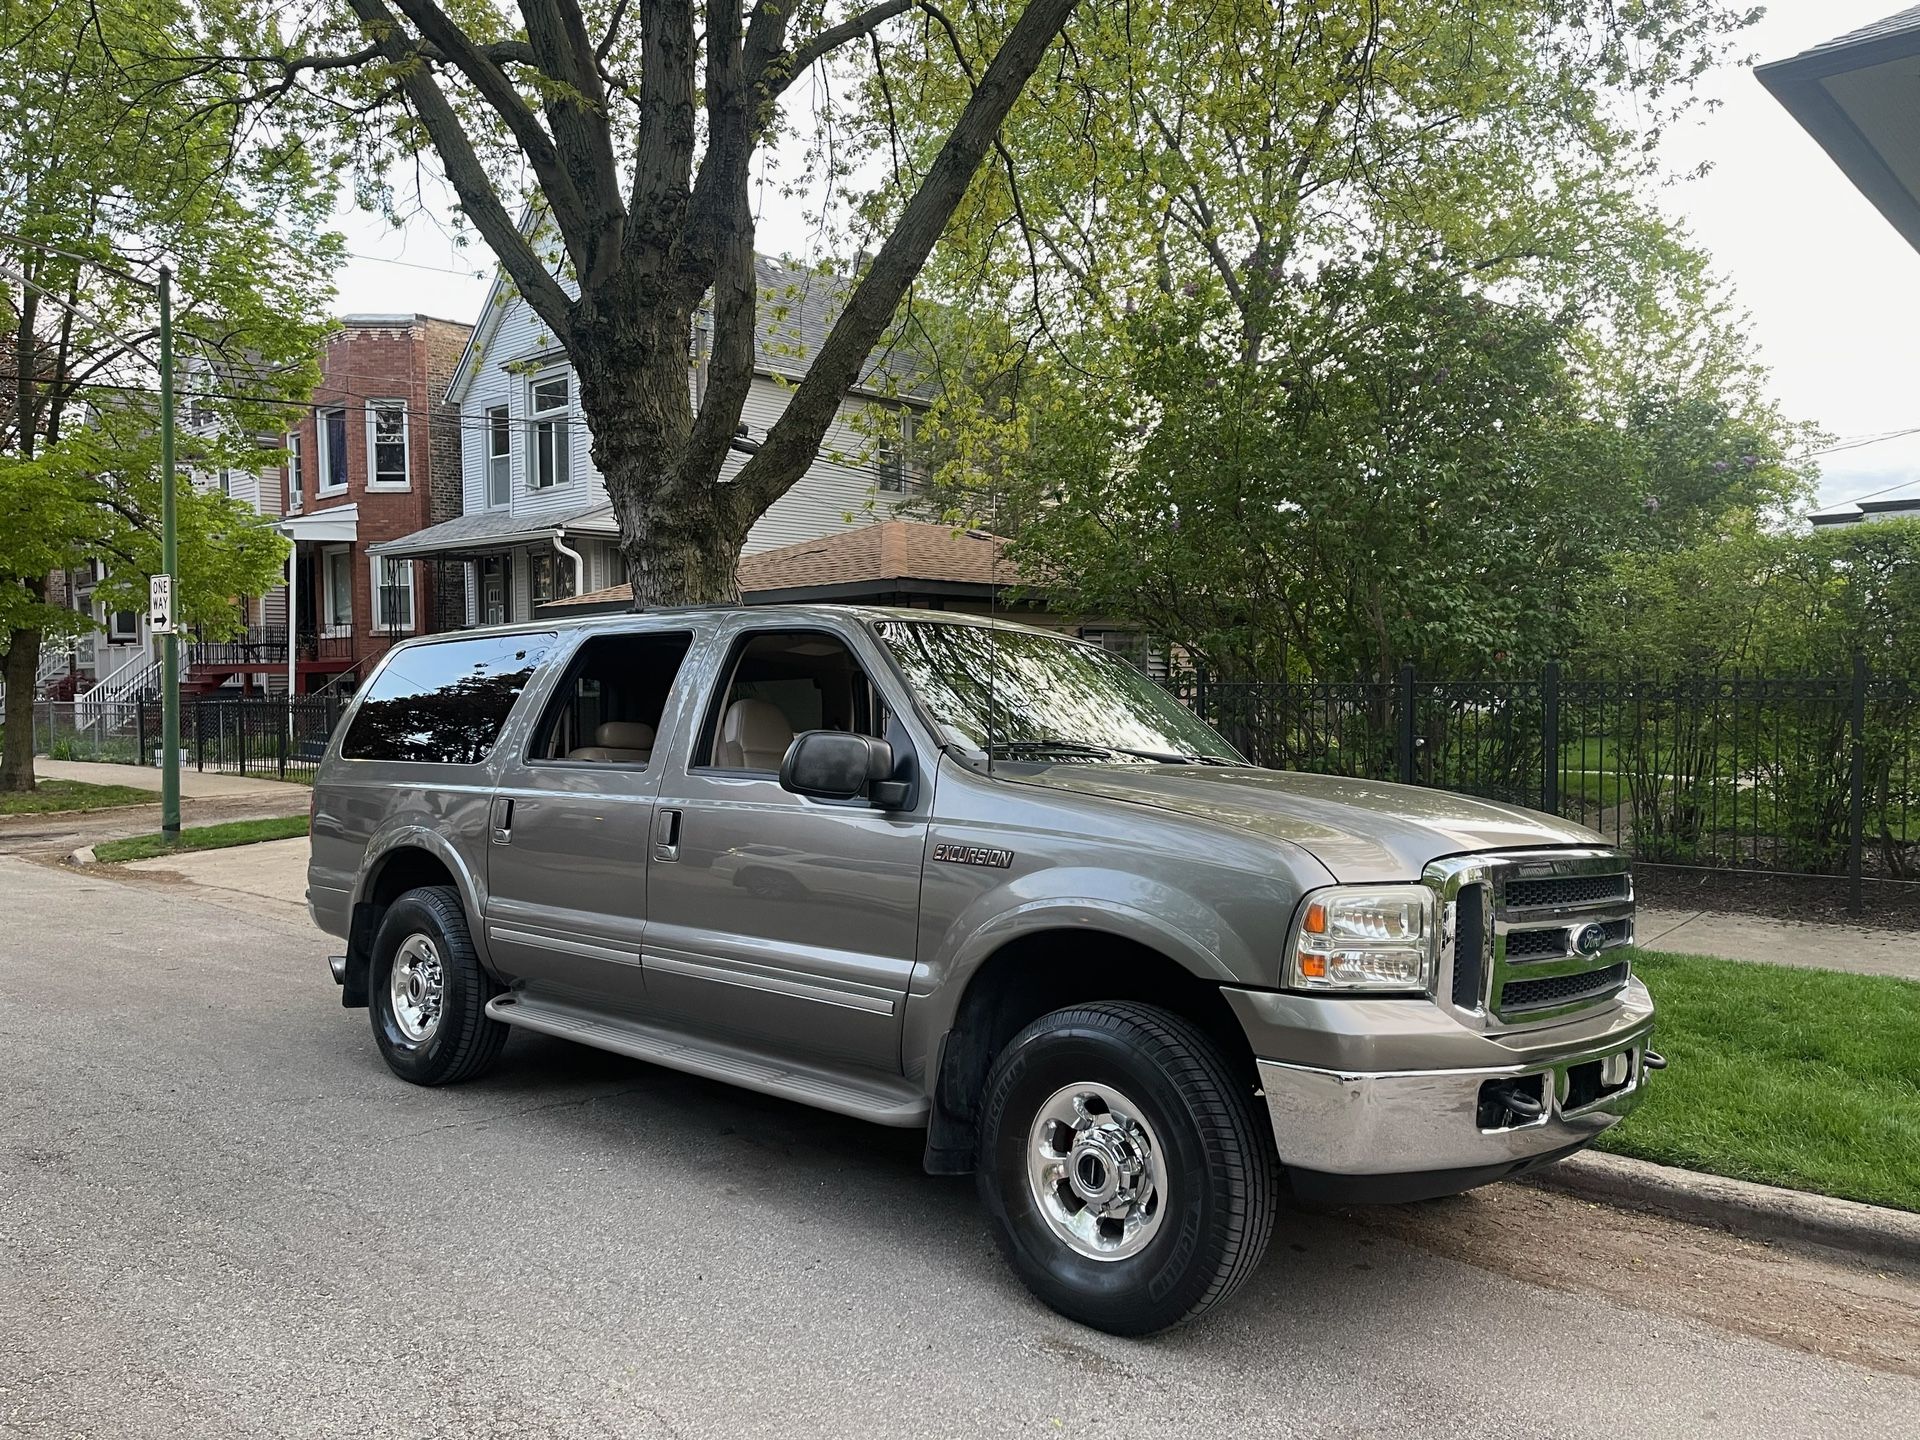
pixel 194 784
pixel 1862 949
pixel 268 878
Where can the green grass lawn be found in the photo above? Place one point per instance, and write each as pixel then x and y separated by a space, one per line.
pixel 1803 1078
pixel 203 837
pixel 51 795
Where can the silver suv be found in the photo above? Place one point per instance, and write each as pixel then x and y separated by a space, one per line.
pixel 990 882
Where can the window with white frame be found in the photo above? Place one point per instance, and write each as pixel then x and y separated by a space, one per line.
pixel 549 408
pixel 392 593
pixel 387 444
pixel 330 444
pixel 123 627
pixel 223 478
pixel 337 581
pixel 294 497
pixel 499 458
pixel 895 458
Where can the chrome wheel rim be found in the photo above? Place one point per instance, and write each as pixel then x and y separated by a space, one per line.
pixel 1094 1168
pixel 417 986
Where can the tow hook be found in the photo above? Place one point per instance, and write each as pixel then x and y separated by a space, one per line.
pixel 1525 1106
pixel 1654 1060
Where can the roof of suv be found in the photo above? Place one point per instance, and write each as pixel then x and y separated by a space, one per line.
pixel 762 613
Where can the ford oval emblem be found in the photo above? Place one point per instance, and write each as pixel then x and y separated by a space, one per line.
pixel 1591 939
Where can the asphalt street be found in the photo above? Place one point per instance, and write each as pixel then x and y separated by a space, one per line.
pixel 221 1216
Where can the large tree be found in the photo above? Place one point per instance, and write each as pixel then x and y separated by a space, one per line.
pixel 635 127
pixel 1343 332
pixel 116 162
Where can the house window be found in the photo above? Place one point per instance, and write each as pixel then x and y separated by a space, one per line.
pixel 123 627
pixel 499 458
pixel 392 593
pixel 548 406
pixel 294 497
pixel 550 578
pixel 330 435
pixel 387 444
pixel 338 581
pixel 224 478
pixel 895 458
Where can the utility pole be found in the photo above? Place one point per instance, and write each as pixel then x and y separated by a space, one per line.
pixel 169 565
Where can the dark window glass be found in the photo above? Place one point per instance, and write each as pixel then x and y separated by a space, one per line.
pixel 444 702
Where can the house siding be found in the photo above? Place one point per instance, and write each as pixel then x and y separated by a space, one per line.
pixel 838 492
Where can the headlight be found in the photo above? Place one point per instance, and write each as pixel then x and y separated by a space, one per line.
pixel 1363 937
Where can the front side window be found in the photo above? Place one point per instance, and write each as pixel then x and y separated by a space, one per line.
pixel 392 593
pixel 123 626
pixel 1026 695
pixel 445 702
pixel 387 443
pixel 499 458
pixel 780 684
pixel 548 405
pixel 330 432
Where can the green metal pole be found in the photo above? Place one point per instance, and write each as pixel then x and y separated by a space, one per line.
pixel 169 561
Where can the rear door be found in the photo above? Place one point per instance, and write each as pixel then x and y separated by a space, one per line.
pixel 572 818
pixel 779 920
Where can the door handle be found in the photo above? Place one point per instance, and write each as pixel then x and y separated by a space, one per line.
pixel 500 819
pixel 666 835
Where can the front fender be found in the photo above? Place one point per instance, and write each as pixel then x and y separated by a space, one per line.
pixel 1126 906
pixel 406 833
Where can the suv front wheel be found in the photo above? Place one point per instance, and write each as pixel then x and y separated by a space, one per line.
pixel 428 992
pixel 1131 1184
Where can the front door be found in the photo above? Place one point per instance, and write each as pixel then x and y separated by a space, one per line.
pixel 774 918
pixel 572 820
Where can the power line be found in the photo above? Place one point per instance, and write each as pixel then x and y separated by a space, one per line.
pixel 477 273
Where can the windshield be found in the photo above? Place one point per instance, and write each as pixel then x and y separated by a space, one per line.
pixel 1026 695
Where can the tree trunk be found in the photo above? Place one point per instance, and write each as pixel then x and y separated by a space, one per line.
pixel 21 664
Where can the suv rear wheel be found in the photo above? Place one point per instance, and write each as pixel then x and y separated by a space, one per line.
pixel 1131 1184
pixel 429 993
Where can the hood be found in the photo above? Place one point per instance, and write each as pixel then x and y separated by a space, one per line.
pixel 1366 831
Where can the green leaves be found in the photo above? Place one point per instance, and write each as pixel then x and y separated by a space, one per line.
pixel 125 149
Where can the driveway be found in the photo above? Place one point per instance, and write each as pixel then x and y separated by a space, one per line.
pixel 221 1216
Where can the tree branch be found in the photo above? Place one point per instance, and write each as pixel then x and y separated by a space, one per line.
pixel 777 72
pixel 796 435
pixel 468 175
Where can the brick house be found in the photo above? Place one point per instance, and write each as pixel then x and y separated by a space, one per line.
pixel 376 457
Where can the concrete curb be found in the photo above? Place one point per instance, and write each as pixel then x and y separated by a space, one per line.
pixel 83 856
pixel 1760 1211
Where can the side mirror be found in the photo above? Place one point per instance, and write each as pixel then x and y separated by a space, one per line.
pixel 832 765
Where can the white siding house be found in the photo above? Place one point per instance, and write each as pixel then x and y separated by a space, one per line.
pixel 532 498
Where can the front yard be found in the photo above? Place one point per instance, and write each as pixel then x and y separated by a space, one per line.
pixel 50 796
pixel 1803 1078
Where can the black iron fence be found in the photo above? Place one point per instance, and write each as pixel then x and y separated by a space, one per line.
pixel 1812 775
pixel 268 736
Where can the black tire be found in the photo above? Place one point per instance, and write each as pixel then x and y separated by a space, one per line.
pixel 464 1040
pixel 1220 1172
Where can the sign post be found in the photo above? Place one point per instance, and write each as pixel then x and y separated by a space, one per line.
pixel 169 565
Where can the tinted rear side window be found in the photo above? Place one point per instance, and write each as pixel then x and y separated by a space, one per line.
pixel 445 702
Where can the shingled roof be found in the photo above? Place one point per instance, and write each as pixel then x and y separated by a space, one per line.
pixel 889 557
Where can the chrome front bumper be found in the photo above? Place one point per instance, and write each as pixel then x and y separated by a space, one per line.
pixel 1436 1122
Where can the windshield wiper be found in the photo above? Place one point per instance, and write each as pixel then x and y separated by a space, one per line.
pixel 1082 747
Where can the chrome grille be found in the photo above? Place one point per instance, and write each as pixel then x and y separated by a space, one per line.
pixel 1565 890
pixel 1532 937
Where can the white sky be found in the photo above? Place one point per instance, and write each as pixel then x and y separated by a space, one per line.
pixel 1833 291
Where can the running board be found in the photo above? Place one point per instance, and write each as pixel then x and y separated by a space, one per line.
pixel 873 1098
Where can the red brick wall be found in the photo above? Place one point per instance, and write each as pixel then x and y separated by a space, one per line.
pixel 413 362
